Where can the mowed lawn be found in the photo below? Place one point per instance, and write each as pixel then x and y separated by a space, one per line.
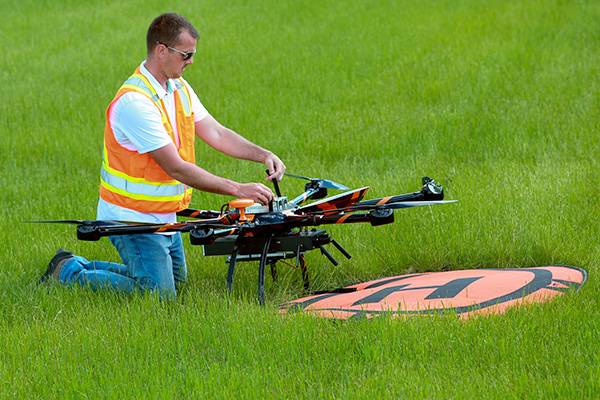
pixel 498 100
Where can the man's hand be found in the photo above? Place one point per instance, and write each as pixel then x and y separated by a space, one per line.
pixel 275 166
pixel 255 191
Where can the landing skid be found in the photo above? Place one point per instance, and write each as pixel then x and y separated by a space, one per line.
pixel 269 249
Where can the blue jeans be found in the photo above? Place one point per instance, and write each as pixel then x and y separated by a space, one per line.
pixel 151 262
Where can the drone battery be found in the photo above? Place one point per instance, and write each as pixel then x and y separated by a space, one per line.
pixel 282 246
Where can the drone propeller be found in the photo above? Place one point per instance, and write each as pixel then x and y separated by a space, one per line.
pixel 389 206
pixel 409 204
pixel 322 183
pixel 95 229
pixel 85 222
pixel 95 232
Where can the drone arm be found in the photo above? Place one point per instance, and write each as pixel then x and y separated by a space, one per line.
pixel 95 232
pixel 391 199
pixel 430 191
pixel 375 217
pixel 304 196
pixel 198 214
pixel 346 218
pixel 415 196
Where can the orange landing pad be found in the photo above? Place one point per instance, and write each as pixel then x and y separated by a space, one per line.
pixel 465 293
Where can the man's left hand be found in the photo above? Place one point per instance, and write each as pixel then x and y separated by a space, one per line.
pixel 275 166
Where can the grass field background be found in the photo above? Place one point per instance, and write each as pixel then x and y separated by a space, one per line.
pixel 498 100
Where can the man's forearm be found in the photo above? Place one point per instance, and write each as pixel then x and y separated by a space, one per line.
pixel 200 179
pixel 229 142
pixel 192 175
pixel 237 146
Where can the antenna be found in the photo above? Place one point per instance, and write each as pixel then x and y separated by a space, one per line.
pixel 275 184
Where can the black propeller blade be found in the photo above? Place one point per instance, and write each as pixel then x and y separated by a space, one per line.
pixel 408 204
pixel 85 222
pixel 391 206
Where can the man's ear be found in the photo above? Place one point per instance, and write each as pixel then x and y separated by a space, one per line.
pixel 158 51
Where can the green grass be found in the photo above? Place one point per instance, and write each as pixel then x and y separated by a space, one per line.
pixel 499 100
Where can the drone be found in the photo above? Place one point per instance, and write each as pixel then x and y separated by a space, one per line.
pixel 284 229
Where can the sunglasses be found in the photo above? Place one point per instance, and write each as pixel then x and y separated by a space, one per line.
pixel 185 56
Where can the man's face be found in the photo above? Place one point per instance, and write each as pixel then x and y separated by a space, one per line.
pixel 173 62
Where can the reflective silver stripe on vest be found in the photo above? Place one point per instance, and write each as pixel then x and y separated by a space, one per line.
pixel 141 188
pixel 185 100
pixel 135 81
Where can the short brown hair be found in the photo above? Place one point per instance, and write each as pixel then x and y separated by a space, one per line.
pixel 166 28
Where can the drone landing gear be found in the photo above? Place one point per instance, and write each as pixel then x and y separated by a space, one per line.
pixel 300 263
pixel 231 270
pixel 268 249
pixel 261 270
pixel 264 259
pixel 273 265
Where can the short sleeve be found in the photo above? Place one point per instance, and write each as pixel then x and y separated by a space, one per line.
pixel 137 124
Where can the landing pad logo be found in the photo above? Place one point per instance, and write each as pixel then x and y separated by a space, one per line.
pixel 464 292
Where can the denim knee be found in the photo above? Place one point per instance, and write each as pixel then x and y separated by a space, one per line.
pixel 146 283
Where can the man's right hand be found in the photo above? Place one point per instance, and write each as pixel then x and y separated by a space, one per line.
pixel 255 191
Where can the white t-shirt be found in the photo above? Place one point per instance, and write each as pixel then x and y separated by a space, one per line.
pixel 137 125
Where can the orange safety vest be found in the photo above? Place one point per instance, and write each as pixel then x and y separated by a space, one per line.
pixel 135 181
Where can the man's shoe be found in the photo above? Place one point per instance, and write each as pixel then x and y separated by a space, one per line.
pixel 56 264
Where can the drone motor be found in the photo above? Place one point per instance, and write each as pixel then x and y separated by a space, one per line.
pixel 381 216
pixel 321 192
